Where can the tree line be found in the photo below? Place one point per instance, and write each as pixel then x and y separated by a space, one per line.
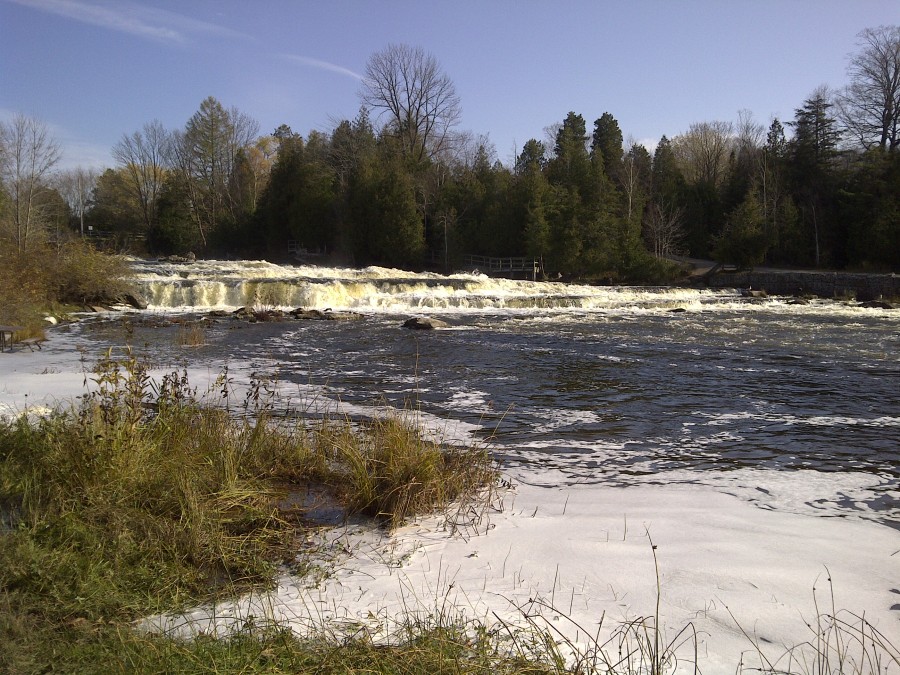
pixel 400 185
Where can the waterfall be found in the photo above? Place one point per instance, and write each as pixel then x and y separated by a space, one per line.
pixel 218 284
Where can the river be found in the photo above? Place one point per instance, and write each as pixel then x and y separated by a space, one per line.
pixel 727 466
pixel 575 383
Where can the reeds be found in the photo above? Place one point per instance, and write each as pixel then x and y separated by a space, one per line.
pixel 147 496
pixel 191 334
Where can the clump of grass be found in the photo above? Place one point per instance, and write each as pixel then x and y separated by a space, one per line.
pixel 391 472
pixel 191 334
pixel 424 647
pixel 148 497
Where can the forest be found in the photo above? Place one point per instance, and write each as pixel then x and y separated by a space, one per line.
pixel 401 185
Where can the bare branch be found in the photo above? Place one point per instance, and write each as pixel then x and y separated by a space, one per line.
pixel 407 85
pixel 27 156
pixel 869 107
pixel 143 156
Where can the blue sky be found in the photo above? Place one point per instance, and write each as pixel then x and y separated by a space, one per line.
pixel 94 70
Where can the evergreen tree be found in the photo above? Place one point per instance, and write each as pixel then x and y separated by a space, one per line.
pixel 352 152
pixel 607 143
pixel 531 194
pixel 398 238
pixel 298 201
pixel 665 177
pixel 742 241
pixel 814 149
pixel 869 203
pixel 569 173
pixel 570 167
pixel 777 208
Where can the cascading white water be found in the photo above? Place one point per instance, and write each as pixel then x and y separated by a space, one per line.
pixel 212 284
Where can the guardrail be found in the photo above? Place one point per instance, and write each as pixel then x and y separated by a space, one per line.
pixel 508 265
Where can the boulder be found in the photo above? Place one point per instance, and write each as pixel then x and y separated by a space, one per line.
pixel 268 314
pixel 134 299
pixel 877 304
pixel 187 258
pixel 424 323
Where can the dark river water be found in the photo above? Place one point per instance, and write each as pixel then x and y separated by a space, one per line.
pixel 606 387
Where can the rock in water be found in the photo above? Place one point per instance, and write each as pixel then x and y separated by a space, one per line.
pixel 424 323
pixel 134 299
pixel 326 315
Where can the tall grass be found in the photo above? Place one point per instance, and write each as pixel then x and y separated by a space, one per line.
pixel 148 496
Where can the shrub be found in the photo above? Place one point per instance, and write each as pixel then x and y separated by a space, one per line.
pixel 34 281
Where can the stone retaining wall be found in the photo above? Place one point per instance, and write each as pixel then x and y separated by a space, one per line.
pixel 823 284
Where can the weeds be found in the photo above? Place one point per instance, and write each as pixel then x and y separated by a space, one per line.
pixel 191 334
pixel 45 275
pixel 841 642
pixel 147 496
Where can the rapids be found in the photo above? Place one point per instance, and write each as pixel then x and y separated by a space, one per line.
pixel 577 383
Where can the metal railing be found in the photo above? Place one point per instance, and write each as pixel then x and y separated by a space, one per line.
pixel 501 266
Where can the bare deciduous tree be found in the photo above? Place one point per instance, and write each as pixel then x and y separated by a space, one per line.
pixel 27 156
pixel 702 152
pixel 467 149
pixel 420 100
pixel 869 107
pixel 664 229
pixel 748 132
pixel 142 156
pixel 76 187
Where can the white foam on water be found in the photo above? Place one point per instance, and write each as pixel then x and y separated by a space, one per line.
pixel 588 560
pixel 469 400
pixel 559 418
pixel 718 419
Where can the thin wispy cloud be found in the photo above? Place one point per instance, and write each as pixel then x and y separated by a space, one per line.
pixel 322 65
pixel 131 18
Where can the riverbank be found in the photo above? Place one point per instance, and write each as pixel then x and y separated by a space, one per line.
pixel 142 496
pixel 578 558
pixel 861 286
